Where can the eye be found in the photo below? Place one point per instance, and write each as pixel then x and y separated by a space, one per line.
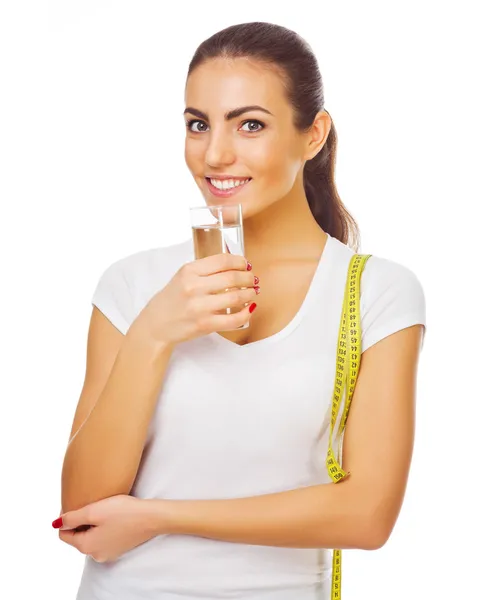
pixel 192 122
pixel 256 123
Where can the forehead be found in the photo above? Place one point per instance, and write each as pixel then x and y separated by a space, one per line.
pixel 222 84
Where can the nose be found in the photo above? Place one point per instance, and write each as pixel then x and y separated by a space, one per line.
pixel 220 150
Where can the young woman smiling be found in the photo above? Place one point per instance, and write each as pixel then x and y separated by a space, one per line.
pixel 197 455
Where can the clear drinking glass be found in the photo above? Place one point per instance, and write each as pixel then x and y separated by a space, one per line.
pixel 216 230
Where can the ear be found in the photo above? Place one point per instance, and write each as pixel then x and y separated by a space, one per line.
pixel 318 134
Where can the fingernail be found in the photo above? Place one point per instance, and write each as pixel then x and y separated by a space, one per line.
pixel 257 289
pixel 256 280
pixel 249 266
pixel 57 523
pixel 252 307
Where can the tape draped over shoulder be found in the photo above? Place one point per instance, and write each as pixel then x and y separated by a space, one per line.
pixel 349 352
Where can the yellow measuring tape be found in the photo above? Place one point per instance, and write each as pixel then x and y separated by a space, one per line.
pixel 348 363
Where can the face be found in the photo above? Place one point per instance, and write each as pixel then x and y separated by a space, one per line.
pixel 259 146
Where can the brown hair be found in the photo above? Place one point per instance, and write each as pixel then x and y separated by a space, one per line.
pixel 290 55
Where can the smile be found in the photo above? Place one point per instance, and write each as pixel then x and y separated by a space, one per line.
pixel 226 187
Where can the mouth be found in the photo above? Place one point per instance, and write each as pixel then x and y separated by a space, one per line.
pixel 228 188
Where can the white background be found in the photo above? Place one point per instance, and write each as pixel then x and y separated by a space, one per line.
pixel 92 169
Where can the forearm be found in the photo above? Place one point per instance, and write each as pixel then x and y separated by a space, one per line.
pixel 322 516
pixel 102 459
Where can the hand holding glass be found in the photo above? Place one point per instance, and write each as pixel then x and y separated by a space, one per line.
pixel 218 230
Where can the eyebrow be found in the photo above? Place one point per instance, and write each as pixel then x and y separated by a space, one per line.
pixel 232 114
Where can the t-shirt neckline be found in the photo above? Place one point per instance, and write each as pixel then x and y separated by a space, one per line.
pixel 317 278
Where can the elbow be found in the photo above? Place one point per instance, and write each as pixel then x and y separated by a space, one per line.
pixel 75 501
pixel 375 531
pixel 76 493
pixel 86 479
pixel 374 519
pixel 71 501
pixel 375 539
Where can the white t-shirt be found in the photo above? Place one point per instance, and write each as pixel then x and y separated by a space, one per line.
pixel 234 421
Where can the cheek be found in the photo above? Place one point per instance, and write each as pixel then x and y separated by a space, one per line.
pixel 193 153
pixel 274 165
pixel 271 154
pixel 264 160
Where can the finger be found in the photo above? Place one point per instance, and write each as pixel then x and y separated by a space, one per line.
pixel 217 263
pixel 230 322
pixel 80 541
pixel 220 282
pixel 71 519
pixel 68 536
pixel 234 298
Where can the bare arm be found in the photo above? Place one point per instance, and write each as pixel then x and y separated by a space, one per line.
pixel 125 374
pixel 359 512
pixel 123 378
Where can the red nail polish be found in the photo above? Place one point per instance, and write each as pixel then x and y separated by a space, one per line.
pixel 257 289
pixel 58 523
pixel 256 280
pixel 252 307
pixel 249 266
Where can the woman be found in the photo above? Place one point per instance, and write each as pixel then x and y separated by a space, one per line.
pixel 197 452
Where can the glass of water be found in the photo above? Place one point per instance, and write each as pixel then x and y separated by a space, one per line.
pixel 215 230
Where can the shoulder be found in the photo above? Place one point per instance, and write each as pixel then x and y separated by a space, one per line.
pixel 391 298
pixel 127 284
pixel 382 279
pixel 384 276
pixel 140 267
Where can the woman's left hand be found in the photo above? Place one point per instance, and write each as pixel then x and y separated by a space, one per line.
pixel 118 524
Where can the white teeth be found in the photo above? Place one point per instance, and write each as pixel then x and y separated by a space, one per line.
pixel 227 184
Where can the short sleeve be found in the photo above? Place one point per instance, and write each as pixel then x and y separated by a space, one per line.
pixel 113 298
pixel 392 298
